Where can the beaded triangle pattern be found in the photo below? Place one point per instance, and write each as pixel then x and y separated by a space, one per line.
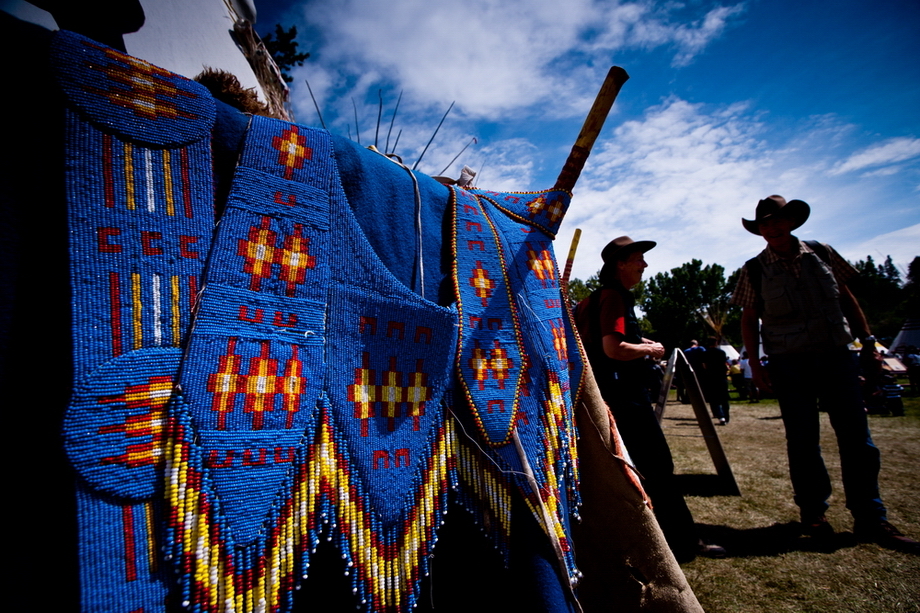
pixel 253 372
pixel 140 213
pixel 506 280
pixel 312 397
pixel 491 358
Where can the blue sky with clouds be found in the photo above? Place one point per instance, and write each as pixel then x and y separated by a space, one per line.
pixel 727 103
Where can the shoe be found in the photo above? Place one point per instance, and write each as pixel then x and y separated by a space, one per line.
pixel 722 421
pixel 817 528
pixel 708 550
pixel 884 534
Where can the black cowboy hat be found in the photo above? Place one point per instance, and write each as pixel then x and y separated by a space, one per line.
pixel 620 248
pixel 776 206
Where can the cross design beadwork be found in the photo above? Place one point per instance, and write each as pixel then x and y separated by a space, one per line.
pixel 387 395
pixel 292 150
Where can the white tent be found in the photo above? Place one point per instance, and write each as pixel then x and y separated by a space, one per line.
pixel 730 351
pixel 909 335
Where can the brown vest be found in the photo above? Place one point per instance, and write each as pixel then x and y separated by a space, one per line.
pixel 801 314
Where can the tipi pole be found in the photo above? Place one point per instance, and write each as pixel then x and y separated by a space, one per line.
pixel 570 259
pixel 616 77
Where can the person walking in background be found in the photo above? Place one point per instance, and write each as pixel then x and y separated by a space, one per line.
pixel 753 393
pixel 714 380
pixel 912 361
pixel 622 361
pixel 694 354
pixel 794 296
pixel 691 353
pixel 737 377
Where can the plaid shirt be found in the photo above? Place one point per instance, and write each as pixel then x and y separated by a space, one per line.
pixel 744 294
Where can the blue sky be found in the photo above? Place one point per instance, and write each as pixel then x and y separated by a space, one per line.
pixel 727 103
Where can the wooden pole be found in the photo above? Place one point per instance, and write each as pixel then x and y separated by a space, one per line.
pixel 616 77
pixel 570 259
pixel 666 386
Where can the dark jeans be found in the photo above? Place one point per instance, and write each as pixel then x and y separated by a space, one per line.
pixel 716 391
pixel 801 382
pixel 720 410
pixel 628 400
pixel 718 402
pixel 753 392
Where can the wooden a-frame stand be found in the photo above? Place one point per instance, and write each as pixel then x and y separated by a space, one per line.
pixel 679 362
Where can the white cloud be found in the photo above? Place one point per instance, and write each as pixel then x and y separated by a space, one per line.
pixel 902 245
pixel 507 165
pixel 647 25
pixel 891 151
pixel 680 175
pixel 504 165
pixel 883 172
pixel 485 54
pixel 691 40
pixel 685 174
pixel 495 56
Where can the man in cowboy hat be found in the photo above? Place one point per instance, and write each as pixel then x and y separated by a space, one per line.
pixel 622 361
pixel 796 291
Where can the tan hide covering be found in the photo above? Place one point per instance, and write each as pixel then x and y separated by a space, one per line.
pixel 619 547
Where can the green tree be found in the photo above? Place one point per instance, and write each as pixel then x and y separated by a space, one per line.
pixel 910 305
pixel 283 49
pixel 690 301
pixel 731 326
pixel 579 290
pixel 878 289
pixel 716 312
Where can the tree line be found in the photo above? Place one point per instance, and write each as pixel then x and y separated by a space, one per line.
pixel 691 301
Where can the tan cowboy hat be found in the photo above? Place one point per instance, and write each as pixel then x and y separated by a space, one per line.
pixel 620 248
pixel 776 206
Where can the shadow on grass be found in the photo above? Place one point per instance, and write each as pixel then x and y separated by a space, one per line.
pixel 704 486
pixel 679 423
pixel 771 540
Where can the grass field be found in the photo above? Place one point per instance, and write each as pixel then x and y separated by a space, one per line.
pixel 771 568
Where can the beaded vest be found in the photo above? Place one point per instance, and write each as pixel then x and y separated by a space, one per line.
pixel 240 396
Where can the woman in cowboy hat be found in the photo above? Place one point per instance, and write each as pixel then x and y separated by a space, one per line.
pixel 622 361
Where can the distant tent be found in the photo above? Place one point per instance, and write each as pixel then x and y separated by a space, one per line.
pixel 909 335
pixel 730 352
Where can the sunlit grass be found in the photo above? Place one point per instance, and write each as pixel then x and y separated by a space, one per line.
pixel 770 567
